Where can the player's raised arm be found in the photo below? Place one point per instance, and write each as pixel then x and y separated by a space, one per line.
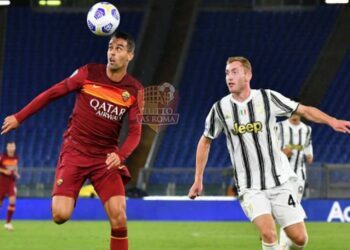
pixel 10 123
pixel 316 115
pixel 13 121
pixel 58 90
pixel 202 154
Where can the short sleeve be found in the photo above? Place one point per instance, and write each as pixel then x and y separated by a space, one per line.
pixel 213 125
pixel 281 105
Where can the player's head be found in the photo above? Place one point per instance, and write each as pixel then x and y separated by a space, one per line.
pixel 238 74
pixel 11 148
pixel 120 52
pixel 295 119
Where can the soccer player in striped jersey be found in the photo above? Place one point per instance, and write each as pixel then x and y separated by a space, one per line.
pixel 90 150
pixel 261 171
pixel 295 141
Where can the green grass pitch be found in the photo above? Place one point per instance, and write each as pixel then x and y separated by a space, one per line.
pixel 76 235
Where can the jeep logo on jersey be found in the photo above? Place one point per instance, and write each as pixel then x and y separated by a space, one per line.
pixel 254 127
pixel 107 110
pixel 295 147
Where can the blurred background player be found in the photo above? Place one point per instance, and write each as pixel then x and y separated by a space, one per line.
pixel 105 94
pixel 262 174
pixel 8 176
pixel 295 141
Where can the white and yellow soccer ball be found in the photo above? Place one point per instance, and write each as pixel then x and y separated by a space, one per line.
pixel 103 19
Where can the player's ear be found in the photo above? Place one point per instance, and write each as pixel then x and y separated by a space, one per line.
pixel 248 75
pixel 130 56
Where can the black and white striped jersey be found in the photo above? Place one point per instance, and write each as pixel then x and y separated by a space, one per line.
pixel 251 137
pixel 297 138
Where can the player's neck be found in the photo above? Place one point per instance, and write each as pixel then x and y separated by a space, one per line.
pixel 116 75
pixel 242 95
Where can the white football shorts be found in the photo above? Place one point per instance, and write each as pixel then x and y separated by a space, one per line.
pixel 281 202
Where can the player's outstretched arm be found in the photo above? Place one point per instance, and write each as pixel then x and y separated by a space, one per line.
pixel 60 89
pixel 202 154
pixel 315 115
pixel 9 124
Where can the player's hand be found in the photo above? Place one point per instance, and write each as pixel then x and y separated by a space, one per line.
pixel 17 176
pixel 309 159
pixel 6 172
pixel 9 124
pixel 340 126
pixel 112 160
pixel 195 190
pixel 288 152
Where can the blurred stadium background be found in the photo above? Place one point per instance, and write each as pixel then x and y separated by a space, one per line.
pixel 297 47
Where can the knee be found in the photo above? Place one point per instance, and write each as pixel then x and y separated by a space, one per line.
pixel 300 240
pixel 269 235
pixel 60 217
pixel 62 208
pixel 118 217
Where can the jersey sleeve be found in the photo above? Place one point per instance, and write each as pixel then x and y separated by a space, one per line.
pixel 58 90
pixel 135 128
pixel 76 80
pixel 308 149
pixel 281 105
pixel 213 124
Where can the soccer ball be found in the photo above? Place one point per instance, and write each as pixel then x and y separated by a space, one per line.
pixel 103 19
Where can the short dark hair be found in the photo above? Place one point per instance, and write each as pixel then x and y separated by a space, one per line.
pixel 127 37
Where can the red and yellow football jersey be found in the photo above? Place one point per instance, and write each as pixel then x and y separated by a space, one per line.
pixel 9 163
pixel 101 106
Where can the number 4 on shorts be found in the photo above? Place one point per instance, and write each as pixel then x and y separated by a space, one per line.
pixel 291 201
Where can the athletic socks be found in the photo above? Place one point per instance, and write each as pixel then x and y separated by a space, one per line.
pixel 270 246
pixel 283 239
pixel 119 238
pixel 10 210
pixel 294 247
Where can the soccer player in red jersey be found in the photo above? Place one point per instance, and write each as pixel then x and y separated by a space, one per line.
pixel 104 95
pixel 8 176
